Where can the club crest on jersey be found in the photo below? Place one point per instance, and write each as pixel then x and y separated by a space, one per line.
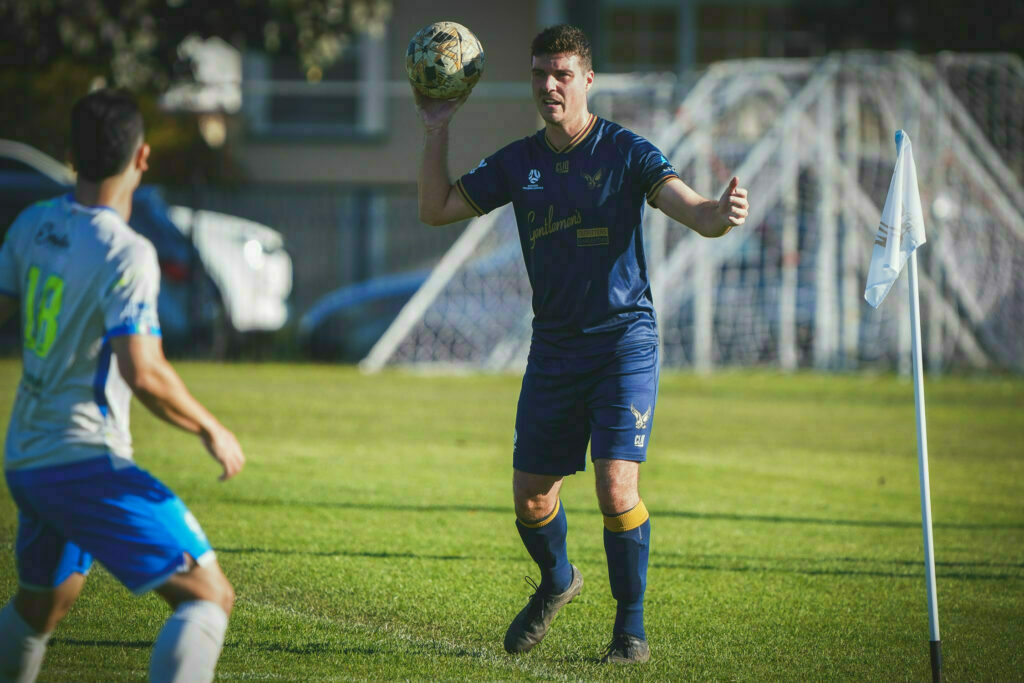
pixel 641 418
pixel 593 180
pixel 562 167
pixel 533 177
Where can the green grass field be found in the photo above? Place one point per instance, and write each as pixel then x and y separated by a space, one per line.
pixel 371 534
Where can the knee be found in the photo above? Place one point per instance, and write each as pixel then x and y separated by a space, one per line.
pixel 201 583
pixel 224 594
pixel 616 498
pixel 534 508
pixel 41 611
pixel 214 586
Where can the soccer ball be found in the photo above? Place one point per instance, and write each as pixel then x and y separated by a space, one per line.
pixel 444 60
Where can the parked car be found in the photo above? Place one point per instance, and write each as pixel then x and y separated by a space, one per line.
pixel 345 324
pixel 222 277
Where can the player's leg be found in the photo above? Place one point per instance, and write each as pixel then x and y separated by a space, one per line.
pixel 146 537
pixel 172 556
pixel 189 645
pixel 627 533
pixel 51 574
pixel 540 520
pixel 27 622
pixel 43 609
pixel 623 414
pixel 550 442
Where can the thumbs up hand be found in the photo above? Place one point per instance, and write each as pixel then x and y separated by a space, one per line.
pixel 733 206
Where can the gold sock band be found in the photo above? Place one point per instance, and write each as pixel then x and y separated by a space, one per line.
pixel 627 521
pixel 546 520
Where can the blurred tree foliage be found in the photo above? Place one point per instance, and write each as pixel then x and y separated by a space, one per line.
pixel 60 49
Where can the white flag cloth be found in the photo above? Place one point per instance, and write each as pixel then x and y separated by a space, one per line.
pixel 902 228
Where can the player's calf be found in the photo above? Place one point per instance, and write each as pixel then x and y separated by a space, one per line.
pixel 27 622
pixel 43 609
pixel 189 645
pixel 21 647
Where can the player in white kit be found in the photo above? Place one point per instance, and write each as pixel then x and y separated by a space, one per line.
pixel 87 285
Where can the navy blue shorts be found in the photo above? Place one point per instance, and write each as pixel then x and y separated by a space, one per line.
pixel 606 400
pixel 125 517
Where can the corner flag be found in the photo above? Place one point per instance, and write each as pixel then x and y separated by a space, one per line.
pixel 900 233
pixel 901 229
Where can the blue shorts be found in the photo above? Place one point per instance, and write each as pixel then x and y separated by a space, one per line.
pixel 125 517
pixel 606 400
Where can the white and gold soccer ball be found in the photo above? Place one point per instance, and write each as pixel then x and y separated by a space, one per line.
pixel 444 60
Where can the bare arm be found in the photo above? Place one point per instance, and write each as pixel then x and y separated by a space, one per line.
pixel 440 203
pixel 8 305
pixel 140 358
pixel 706 217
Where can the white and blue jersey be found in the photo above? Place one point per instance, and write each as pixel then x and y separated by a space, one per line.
pixel 579 209
pixel 84 277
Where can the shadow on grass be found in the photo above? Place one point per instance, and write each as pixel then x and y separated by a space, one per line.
pixel 307 649
pixel 883 523
pixel 681 514
pixel 725 563
pixel 134 644
pixel 800 565
pixel 341 553
pixel 857 560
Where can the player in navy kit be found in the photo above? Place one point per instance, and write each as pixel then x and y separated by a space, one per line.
pixel 578 188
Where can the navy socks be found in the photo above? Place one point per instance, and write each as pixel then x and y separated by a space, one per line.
pixel 627 545
pixel 545 541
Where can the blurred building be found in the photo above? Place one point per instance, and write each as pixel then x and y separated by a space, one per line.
pixel 355 122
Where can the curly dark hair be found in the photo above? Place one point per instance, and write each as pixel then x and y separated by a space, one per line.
pixel 563 39
pixel 105 128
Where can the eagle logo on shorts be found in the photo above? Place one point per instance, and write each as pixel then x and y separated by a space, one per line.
pixel 641 418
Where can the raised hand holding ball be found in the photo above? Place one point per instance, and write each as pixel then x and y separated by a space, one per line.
pixel 444 60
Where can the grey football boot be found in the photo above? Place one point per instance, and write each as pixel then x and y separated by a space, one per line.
pixel 626 649
pixel 531 624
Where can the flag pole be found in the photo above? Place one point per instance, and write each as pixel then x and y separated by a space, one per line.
pixel 922 460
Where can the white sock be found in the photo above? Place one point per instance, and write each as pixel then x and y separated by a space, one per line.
pixel 189 644
pixel 21 648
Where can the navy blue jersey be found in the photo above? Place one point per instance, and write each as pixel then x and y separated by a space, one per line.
pixel 579 210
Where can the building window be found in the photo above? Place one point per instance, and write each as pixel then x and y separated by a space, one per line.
pixel 348 99
pixel 641 38
pixel 756 30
